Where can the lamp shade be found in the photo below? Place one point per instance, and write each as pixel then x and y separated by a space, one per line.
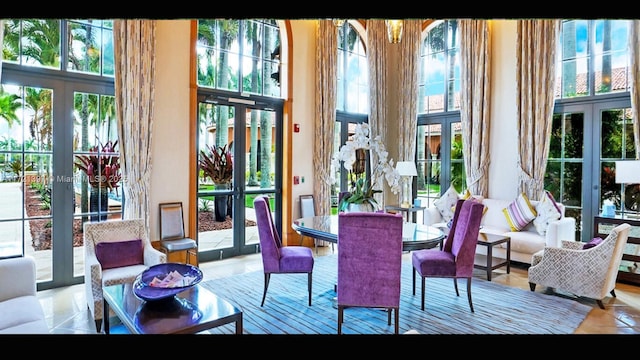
pixel 406 168
pixel 628 172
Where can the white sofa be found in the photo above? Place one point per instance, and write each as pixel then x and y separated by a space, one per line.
pixel 524 243
pixel 20 309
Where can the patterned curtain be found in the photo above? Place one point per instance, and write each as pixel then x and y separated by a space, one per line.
pixel 475 56
pixel 634 70
pixel 535 78
pixel 377 43
pixel 134 45
pixel 325 116
pixel 407 68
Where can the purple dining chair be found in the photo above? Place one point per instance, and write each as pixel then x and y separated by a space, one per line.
pixel 456 258
pixel 278 259
pixel 369 262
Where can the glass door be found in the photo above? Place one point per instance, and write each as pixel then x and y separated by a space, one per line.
pixel 246 134
pixel 586 140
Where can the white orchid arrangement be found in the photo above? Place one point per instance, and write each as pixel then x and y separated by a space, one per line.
pixel 363 189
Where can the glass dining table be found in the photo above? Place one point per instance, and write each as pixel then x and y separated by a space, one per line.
pixel 325 227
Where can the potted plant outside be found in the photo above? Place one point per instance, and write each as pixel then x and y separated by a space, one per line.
pixel 102 168
pixel 216 163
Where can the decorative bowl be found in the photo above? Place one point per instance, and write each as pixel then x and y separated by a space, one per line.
pixel 143 290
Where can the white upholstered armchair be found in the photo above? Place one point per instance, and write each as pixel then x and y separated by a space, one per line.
pixel 588 273
pixel 115 253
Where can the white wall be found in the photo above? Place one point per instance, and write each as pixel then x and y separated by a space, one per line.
pixel 170 141
pixel 503 182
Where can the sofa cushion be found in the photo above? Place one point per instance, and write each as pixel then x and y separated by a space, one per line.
pixel 519 213
pixel 595 241
pixel 22 315
pixel 113 254
pixel 446 202
pixel 547 212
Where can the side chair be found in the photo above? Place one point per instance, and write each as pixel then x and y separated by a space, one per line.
pixel 172 236
pixel 456 259
pixel 278 259
pixel 369 263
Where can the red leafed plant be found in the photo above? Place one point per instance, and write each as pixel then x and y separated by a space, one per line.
pixel 102 167
pixel 217 164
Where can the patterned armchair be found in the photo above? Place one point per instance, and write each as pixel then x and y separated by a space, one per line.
pixel 588 272
pixel 115 253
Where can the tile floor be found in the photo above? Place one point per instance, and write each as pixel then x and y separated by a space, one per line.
pixel 67 312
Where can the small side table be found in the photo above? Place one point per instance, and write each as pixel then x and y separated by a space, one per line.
pixel 491 240
pixel 411 210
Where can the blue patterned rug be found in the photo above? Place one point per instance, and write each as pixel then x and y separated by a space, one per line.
pixel 498 309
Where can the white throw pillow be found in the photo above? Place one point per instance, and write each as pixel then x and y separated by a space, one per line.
pixel 548 211
pixel 446 203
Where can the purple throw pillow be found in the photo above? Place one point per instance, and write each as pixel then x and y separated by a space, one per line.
pixel 113 254
pixel 595 241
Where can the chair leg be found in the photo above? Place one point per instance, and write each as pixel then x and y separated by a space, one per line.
pixel 600 304
pixel 389 311
pixel 266 285
pixel 309 282
pixel 613 292
pixel 422 300
pixel 532 286
pixel 340 315
pixel 98 325
pixel 455 284
pixel 469 293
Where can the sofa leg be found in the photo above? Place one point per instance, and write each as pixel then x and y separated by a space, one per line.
pixel 600 304
pixel 532 286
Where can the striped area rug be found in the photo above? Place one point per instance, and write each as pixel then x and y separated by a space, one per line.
pixel 498 309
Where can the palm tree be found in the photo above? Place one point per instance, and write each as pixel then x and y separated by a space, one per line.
pixel 9 104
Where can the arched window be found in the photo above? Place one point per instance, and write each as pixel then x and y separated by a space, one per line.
pixel 439 139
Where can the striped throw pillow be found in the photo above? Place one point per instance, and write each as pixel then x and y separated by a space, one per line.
pixel 519 213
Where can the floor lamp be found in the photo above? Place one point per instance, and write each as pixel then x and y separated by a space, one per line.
pixel 407 170
pixel 627 172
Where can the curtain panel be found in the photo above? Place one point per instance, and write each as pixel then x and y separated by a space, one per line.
pixel 475 57
pixel 134 45
pixel 535 75
pixel 325 116
pixel 377 44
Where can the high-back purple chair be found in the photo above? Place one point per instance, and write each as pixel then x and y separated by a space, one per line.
pixel 369 262
pixel 456 258
pixel 278 259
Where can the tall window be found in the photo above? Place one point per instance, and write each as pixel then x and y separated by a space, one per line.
pixel 352 92
pixel 439 143
pixel 240 113
pixel 592 124
pixel 56 106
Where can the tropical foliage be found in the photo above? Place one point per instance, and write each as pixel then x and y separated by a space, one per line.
pixel 216 164
pixel 102 165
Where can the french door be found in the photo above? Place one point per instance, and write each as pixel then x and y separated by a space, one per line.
pixel 58 118
pixel 586 140
pixel 252 130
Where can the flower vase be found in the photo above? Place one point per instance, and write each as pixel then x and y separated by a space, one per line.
pixel 364 207
pixel 221 203
pixel 99 202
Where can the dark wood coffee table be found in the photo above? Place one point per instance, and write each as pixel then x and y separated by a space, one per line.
pixel 492 263
pixel 194 310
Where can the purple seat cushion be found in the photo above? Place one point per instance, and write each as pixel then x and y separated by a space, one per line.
pixel 114 254
pixel 434 262
pixel 296 259
pixel 595 241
